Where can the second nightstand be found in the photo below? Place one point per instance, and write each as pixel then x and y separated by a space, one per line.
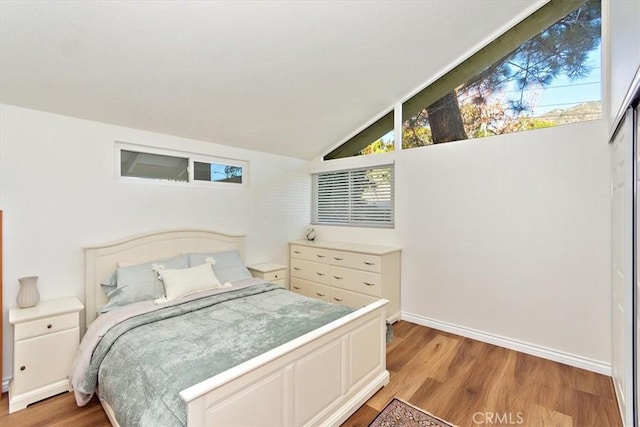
pixel 271 272
pixel 45 343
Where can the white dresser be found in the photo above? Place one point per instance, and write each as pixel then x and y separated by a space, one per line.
pixel 45 343
pixel 344 273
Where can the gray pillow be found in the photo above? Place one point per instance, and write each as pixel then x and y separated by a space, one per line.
pixel 227 268
pixel 138 282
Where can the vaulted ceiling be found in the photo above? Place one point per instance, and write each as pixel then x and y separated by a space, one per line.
pixel 287 77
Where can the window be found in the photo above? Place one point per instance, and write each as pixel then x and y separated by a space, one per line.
pixel 375 138
pixel 155 164
pixel 359 197
pixel 543 72
pixel 217 172
pixel 137 164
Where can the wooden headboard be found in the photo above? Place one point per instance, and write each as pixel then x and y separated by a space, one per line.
pixel 103 259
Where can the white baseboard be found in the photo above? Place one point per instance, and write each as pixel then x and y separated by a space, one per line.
pixel 524 347
pixel 5 385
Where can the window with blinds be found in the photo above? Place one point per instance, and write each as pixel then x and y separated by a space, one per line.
pixel 359 197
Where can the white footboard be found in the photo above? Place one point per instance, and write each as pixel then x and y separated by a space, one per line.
pixel 320 378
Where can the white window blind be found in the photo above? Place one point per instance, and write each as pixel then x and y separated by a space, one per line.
pixel 362 197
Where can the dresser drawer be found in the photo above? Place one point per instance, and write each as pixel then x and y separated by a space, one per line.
pixel 312 271
pixel 43 360
pixel 350 299
pixel 310 289
pixel 49 325
pixel 356 280
pixel 310 254
pixel 365 262
pixel 301 287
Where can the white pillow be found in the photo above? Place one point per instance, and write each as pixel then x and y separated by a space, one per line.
pixel 178 283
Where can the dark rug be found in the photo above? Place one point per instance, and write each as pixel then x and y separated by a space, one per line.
pixel 399 413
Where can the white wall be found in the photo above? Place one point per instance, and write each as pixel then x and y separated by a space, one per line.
pixel 59 193
pixel 507 239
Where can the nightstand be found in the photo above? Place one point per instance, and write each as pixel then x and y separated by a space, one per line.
pixel 45 342
pixel 273 273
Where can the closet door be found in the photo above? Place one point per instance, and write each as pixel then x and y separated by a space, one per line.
pixel 636 270
pixel 622 266
pixel 1 359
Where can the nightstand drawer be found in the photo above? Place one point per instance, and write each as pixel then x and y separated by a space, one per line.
pixel 49 325
pixel 272 276
pixel 43 360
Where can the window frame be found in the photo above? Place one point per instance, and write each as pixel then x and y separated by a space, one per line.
pixel 351 213
pixel 190 156
pixel 459 72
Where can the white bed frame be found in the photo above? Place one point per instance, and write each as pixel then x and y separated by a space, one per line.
pixel 320 378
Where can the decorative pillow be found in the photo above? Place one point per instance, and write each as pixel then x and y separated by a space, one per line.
pixel 179 283
pixel 227 265
pixel 110 283
pixel 139 282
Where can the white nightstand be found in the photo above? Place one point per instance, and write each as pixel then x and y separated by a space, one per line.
pixel 273 273
pixel 45 342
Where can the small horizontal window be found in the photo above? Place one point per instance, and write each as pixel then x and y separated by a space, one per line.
pixel 217 172
pixel 359 197
pixel 136 164
pixel 155 164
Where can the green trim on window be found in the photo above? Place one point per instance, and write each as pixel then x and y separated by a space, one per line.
pixel 355 144
pixel 530 27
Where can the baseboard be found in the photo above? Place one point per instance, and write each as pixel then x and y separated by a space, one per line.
pixel 5 385
pixel 524 347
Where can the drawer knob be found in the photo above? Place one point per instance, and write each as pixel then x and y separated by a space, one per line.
pixel 22 368
pixel 296 268
pixel 337 299
pixel 369 284
pixel 369 263
pixel 337 277
pixel 49 326
pixel 338 259
pixel 320 256
pixel 296 288
pixel 319 294
pixel 275 275
pixel 296 252
pixel 319 274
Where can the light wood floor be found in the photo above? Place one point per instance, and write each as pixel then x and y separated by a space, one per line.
pixel 470 383
pixel 455 378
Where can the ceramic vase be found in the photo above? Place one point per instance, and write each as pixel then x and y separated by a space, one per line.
pixel 28 295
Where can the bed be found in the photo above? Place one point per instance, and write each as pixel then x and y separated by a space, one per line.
pixel 317 378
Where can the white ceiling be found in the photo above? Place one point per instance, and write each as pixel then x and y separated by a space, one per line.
pixel 290 78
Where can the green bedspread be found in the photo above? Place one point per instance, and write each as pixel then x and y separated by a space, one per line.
pixel 143 363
